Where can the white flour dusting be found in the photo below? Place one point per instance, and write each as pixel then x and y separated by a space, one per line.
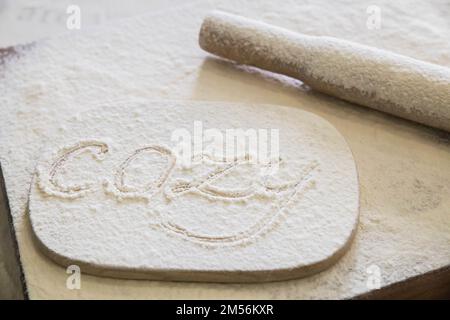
pixel 403 168
pixel 221 220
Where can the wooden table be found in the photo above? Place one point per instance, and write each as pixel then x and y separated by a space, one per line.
pixel 404 168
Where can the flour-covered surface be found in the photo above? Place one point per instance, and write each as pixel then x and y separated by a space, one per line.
pixel 403 168
pixel 137 210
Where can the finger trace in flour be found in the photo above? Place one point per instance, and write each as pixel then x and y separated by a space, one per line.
pixel 200 185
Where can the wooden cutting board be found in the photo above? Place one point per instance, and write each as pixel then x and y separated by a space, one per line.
pixel 196 191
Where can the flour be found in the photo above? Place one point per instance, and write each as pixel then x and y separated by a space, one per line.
pixel 152 57
pixel 46 175
pixel 293 223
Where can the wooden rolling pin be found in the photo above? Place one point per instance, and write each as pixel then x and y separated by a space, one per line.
pixel 371 77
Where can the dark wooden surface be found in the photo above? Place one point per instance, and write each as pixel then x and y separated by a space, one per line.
pixel 431 285
pixel 12 283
